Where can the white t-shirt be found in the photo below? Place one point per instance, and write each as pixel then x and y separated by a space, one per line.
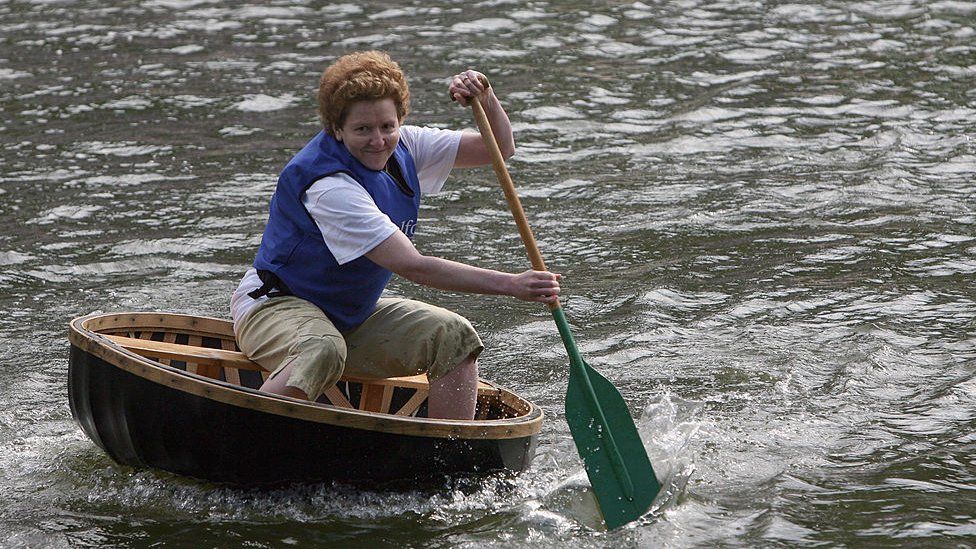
pixel 350 222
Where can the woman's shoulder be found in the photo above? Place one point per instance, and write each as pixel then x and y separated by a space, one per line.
pixel 422 139
pixel 422 134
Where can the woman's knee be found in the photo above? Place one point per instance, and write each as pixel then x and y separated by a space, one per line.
pixel 454 342
pixel 445 325
pixel 323 348
pixel 319 363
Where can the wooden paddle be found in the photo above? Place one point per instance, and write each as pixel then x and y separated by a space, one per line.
pixel 603 430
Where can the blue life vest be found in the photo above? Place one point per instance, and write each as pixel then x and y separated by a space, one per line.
pixel 292 248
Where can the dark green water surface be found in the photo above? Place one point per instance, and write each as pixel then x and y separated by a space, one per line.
pixel 764 213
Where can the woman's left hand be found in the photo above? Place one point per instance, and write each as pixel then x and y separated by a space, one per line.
pixel 466 85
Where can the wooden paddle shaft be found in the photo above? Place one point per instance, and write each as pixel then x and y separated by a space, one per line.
pixel 514 204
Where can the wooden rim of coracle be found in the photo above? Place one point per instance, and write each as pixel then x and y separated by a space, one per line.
pixel 84 333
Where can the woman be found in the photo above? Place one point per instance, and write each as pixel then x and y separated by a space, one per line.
pixel 340 224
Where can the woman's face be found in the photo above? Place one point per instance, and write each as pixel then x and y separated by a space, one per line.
pixel 371 132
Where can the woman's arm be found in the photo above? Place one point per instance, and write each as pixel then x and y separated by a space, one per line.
pixel 471 150
pixel 398 254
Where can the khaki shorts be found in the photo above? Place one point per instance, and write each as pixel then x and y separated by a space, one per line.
pixel 402 337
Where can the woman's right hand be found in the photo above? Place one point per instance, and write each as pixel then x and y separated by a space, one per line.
pixel 540 286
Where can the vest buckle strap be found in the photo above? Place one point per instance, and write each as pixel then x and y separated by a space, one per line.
pixel 271 286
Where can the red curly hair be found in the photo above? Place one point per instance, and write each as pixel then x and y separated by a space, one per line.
pixel 360 76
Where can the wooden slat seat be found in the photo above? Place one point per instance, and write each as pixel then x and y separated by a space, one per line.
pixel 189 353
pixel 377 393
pixel 418 381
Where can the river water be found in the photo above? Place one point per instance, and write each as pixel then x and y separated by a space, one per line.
pixel 764 213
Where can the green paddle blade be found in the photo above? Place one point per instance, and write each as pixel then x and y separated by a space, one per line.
pixel 613 454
